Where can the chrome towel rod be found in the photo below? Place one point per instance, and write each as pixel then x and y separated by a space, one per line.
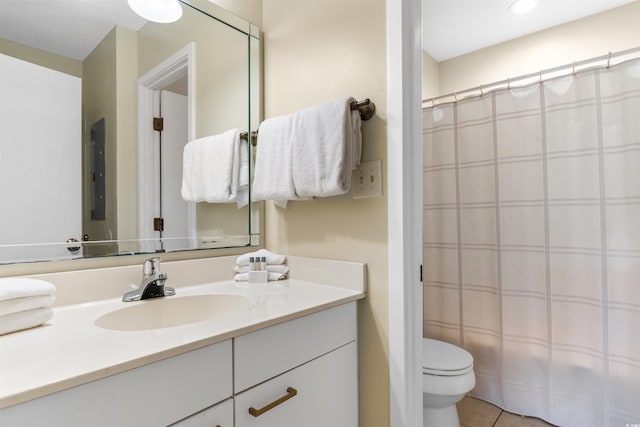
pixel 366 108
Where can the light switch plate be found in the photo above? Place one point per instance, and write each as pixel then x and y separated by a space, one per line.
pixel 366 180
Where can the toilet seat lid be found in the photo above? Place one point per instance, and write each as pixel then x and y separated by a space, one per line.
pixel 442 358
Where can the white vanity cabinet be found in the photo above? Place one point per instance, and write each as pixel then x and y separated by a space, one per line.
pixel 299 373
pixel 220 415
pixel 153 395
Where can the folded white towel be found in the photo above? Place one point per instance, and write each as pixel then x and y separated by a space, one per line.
pixel 244 277
pixel 16 305
pixel 273 177
pixel 326 149
pixel 307 154
pixel 215 169
pixel 18 287
pixel 273 268
pixel 242 196
pixel 24 320
pixel 271 258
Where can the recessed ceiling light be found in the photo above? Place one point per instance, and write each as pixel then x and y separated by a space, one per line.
pixel 163 11
pixel 522 6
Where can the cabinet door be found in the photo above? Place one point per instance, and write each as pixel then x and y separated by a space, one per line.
pixel 320 393
pixel 150 396
pixel 220 415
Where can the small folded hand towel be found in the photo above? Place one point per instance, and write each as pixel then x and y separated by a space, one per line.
pixel 215 169
pixel 24 320
pixel 273 276
pixel 16 305
pixel 18 287
pixel 272 268
pixel 271 258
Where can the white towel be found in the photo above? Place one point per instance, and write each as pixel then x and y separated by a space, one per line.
pixel 326 148
pixel 18 287
pixel 307 154
pixel 244 277
pixel 24 320
pixel 271 258
pixel 215 169
pixel 272 268
pixel 273 177
pixel 16 305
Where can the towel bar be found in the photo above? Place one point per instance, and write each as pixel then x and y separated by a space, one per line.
pixel 366 108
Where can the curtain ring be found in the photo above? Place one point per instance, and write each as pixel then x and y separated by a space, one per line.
pixel 455 96
pixel 508 82
pixel 481 90
pixel 540 81
pixel 433 102
pixel 609 60
pixel 573 68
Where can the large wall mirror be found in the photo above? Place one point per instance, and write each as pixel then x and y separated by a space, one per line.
pixel 82 154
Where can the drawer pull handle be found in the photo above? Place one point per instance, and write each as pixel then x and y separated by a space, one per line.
pixel 291 392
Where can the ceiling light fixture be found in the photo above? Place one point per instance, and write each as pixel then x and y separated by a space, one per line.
pixel 522 6
pixel 162 11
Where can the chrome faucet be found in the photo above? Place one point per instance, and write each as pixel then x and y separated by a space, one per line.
pixel 152 284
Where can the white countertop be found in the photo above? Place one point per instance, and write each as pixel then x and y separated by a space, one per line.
pixel 71 350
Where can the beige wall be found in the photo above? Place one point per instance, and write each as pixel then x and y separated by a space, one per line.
pixel 41 57
pixel 430 76
pixel 127 133
pixel 249 10
pixel 611 31
pixel 316 51
pixel 98 101
pixel 109 91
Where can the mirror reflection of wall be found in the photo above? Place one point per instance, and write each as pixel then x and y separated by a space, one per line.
pixel 108 76
pixel 40 193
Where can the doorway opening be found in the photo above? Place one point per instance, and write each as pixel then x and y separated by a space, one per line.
pixel 166 122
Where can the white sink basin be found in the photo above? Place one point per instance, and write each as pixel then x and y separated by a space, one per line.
pixel 157 313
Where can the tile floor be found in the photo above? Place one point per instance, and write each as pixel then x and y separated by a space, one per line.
pixel 477 413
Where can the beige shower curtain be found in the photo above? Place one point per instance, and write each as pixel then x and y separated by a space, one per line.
pixel 532 243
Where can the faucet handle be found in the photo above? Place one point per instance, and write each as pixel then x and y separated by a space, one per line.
pixel 151 266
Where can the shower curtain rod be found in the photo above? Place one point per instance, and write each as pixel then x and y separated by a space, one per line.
pixel 539 76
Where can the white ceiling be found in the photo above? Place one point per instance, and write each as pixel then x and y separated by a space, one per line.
pixel 454 27
pixel 450 27
pixel 59 27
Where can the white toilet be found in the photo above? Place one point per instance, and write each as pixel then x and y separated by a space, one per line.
pixel 447 375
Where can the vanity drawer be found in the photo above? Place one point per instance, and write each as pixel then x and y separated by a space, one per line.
pixel 220 415
pixel 319 393
pixel 267 353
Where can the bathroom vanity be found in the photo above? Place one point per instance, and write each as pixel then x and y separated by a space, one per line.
pixel 287 358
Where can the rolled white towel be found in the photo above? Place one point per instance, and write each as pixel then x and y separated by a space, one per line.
pixel 18 287
pixel 273 276
pixel 16 305
pixel 271 258
pixel 24 320
pixel 272 268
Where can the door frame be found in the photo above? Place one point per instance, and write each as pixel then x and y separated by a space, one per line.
pixel 404 181
pixel 178 65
